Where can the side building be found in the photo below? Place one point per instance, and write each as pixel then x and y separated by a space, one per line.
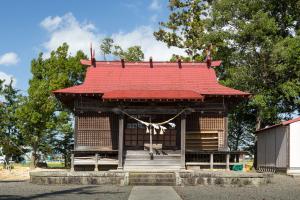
pixel 278 147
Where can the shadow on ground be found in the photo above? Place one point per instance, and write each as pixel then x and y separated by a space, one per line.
pixel 83 190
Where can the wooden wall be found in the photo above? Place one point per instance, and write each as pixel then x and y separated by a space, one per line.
pixel 96 131
pixel 206 131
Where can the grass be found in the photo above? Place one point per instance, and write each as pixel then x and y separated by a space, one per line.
pixel 50 165
pixel 55 165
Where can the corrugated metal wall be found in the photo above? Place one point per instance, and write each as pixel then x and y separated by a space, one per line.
pixel 272 147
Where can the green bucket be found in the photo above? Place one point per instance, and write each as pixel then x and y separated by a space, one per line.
pixel 238 167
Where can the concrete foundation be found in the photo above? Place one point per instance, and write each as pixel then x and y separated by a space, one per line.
pixel 181 178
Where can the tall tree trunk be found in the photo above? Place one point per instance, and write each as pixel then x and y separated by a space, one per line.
pixel 34 159
pixel 258 126
pixel 258 122
pixel 7 157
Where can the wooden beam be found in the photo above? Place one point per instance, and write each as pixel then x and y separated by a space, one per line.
pixel 121 135
pixel 182 133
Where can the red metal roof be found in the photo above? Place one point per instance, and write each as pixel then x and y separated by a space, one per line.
pixel 290 121
pixel 162 80
pixel 283 123
pixel 152 94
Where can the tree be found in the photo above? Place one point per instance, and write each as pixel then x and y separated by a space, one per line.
pixel 106 46
pixel 41 115
pixel 241 127
pixel 63 137
pixel 186 26
pixel 257 42
pixel 132 54
pixel 10 139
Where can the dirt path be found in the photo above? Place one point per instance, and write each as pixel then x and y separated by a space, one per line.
pixel 19 173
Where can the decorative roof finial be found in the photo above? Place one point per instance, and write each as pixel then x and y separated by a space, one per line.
pixel 151 62
pixel 179 61
pixel 123 62
pixel 208 52
pixel 92 54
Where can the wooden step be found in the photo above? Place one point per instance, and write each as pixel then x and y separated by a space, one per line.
pixel 151 162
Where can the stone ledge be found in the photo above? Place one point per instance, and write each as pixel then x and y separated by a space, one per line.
pixel 182 178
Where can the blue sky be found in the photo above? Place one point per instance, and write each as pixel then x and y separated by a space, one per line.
pixel 30 27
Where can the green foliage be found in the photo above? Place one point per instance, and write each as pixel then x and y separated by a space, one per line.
pixel 106 46
pixel 186 26
pixel 41 118
pixel 10 139
pixel 132 54
pixel 258 43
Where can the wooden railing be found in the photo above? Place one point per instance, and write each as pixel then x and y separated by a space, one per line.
pixel 93 157
pixel 215 158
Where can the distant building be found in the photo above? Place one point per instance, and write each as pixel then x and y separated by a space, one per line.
pixel 278 147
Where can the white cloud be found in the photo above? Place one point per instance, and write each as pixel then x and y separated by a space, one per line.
pixel 143 36
pixel 67 29
pixel 155 5
pixel 9 58
pixel 79 35
pixel 7 78
pixel 51 23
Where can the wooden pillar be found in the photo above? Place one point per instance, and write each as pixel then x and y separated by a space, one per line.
pixel 151 129
pixel 182 133
pixel 96 162
pixel 227 161
pixel 72 162
pixel 121 135
pixel 211 161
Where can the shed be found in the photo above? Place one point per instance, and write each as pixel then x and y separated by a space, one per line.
pixel 278 147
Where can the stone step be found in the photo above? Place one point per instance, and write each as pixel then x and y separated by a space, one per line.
pixel 152 162
pixel 152 179
pixel 152 167
pixel 154 184
pixel 154 157
pixel 161 175
pixel 141 152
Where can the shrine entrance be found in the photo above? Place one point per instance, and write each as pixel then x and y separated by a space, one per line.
pixel 137 138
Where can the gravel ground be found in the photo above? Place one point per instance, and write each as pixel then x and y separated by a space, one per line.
pixel 25 190
pixel 282 187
